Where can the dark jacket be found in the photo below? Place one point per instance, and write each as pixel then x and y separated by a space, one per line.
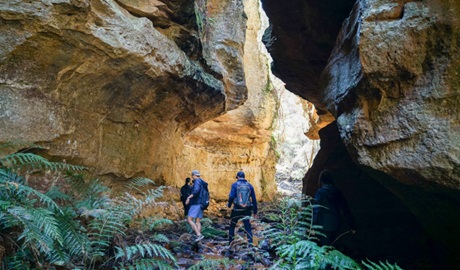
pixel 332 203
pixel 196 191
pixel 232 195
pixel 185 191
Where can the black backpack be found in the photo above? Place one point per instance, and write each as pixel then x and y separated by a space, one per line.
pixel 204 196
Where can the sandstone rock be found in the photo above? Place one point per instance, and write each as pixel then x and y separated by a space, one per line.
pixel 100 87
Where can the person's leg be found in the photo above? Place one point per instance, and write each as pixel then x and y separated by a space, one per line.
pixel 247 227
pixel 233 221
pixel 198 225
pixel 193 225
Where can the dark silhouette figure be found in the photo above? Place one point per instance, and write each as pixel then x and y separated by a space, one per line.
pixel 185 191
pixel 328 215
pixel 243 197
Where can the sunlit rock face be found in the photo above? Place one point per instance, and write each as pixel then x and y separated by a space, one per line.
pixel 241 138
pixel 114 85
pixel 296 151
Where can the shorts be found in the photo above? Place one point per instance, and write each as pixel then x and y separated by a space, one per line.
pixel 195 211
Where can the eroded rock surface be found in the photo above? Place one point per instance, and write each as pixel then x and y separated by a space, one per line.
pixel 100 86
pixel 392 82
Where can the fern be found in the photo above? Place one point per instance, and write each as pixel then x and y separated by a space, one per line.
pixel 136 183
pixel 380 266
pixel 159 237
pixel 136 256
pixel 80 233
pixel 143 250
pixel 160 222
pixel 208 264
pixel 34 162
pixel 73 233
pixel 294 241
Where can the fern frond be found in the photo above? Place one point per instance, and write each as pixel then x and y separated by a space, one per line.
pixel 159 237
pixel 55 194
pixel 25 191
pixel 73 233
pixel 35 162
pixel 40 229
pixel 212 264
pixel 160 222
pixel 380 266
pixel 142 250
pixel 138 182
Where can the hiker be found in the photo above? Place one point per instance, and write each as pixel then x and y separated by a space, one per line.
pixel 328 215
pixel 185 191
pixel 243 197
pixel 195 211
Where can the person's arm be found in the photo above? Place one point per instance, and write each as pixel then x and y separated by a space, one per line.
pixel 195 190
pixel 254 200
pixel 231 196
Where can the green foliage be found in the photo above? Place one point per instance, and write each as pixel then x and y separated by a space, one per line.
pixel 208 264
pixel 81 231
pixel 380 266
pixel 210 232
pixel 142 250
pixel 42 231
pixel 137 183
pixel 293 236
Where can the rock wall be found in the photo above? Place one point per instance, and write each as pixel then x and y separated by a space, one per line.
pixel 397 105
pixel 392 83
pixel 121 87
pixel 399 113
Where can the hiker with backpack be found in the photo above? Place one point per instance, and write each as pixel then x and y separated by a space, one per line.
pixel 243 197
pixel 198 201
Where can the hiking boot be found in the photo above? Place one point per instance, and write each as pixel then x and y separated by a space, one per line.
pixel 198 238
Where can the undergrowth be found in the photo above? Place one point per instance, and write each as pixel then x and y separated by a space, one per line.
pixel 76 227
pixel 294 238
pixel 76 223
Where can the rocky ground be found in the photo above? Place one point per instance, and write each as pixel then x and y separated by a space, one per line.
pixel 215 244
